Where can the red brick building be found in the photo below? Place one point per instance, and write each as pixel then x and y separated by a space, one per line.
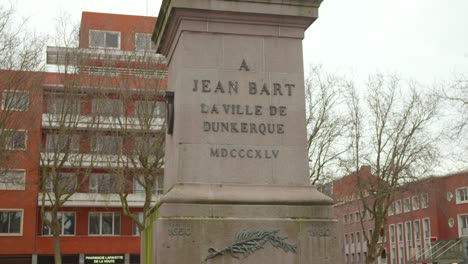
pixel 114 51
pixel 427 222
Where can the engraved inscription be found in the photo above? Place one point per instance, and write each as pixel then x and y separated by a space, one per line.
pixel 250 127
pixel 179 231
pixel 321 231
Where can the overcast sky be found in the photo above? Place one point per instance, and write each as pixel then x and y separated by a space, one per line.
pixel 421 39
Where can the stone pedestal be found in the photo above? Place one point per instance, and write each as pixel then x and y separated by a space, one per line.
pixel 236 170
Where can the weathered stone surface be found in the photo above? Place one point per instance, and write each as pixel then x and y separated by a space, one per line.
pixel 237 157
pixel 188 240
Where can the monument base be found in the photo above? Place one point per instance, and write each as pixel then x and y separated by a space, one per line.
pixel 245 233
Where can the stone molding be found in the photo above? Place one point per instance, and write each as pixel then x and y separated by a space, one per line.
pixel 244 194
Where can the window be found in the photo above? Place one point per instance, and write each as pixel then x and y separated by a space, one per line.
pixel 148 146
pixel 104 39
pixel 62 143
pixel 400 232
pixel 415 203
pixel 409 232
pixel 103 183
pixel 393 256
pixel 158 187
pixel 12 179
pixel 424 200
pixel 15 101
pixel 462 195
pixel 358 237
pixel 67 224
pixel 136 230
pixel 149 109
pixel 390 209
pixel 104 223
pixel 351 218
pixel 65 106
pixel 15 139
pixel 401 253
pixel 11 222
pixel 463 224
pixel 346 239
pixel 107 107
pixel 107 145
pixel 67 182
pixel 426 228
pixel 143 42
pixel 345 219
pixel 398 207
pixel 352 238
pixel 407 205
pixel 358 217
pixel 392 233
pixel 417 230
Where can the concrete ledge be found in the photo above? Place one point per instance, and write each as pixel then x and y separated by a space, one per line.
pixel 246 211
pixel 244 194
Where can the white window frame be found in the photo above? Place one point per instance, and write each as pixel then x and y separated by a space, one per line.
pixel 135 230
pixel 398 207
pixel 100 223
pixel 21 224
pixel 59 101
pixel 158 111
pixel 96 103
pixel 152 46
pixel 6 184
pixel 415 203
pixel 406 205
pixel 8 147
pixel 391 210
pixel 429 228
pixel 62 226
pixel 461 199
pixel 391 231
pixel 424 200
pixel 13 108
pixel 409 240
pixel 400 233
pixel 417 235
pixel 462 221
pixel 49 185
pixel 104 32
pixel 74 143
pixel 158 187
pixel 94 182
pixel 95 144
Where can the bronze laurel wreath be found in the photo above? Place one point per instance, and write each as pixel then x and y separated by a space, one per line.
pixel 249 241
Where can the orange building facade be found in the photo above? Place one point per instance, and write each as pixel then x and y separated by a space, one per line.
pixel 114 53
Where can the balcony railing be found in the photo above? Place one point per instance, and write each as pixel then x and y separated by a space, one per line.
pixel 103 123
pixel 135 200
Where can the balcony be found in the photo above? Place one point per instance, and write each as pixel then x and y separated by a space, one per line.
pixel 76 56
pixel 100 123
pixel 96 161
pixel 135 200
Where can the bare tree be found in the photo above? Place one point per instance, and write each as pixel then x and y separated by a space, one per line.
pixel 143 133
pixel 391 132
pixel 64 167
pixel 20 59
pixel 455 97
pixel 326 122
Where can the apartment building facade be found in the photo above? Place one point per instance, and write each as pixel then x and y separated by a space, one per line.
pixel 426 223
pixel 111 89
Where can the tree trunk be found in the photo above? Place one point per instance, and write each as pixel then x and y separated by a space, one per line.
pixel 57 253
pixel 56 227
